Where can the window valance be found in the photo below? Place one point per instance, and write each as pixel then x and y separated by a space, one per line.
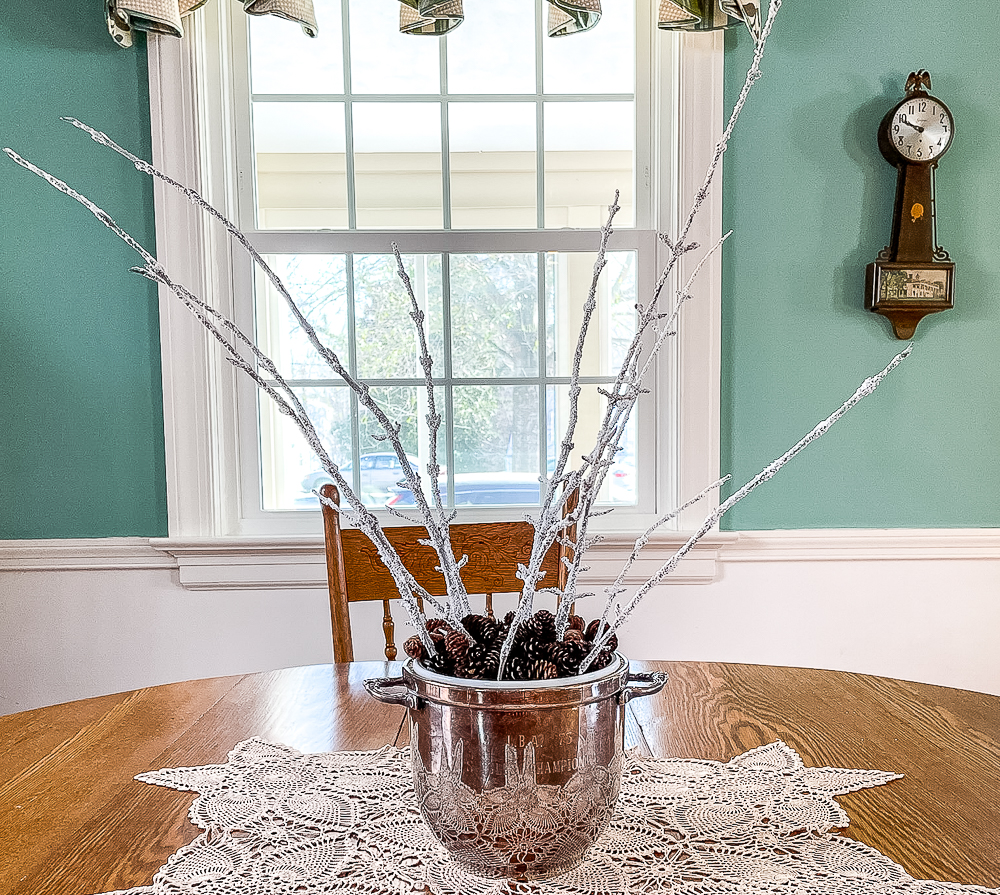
pixel 165 16
pixel 428 16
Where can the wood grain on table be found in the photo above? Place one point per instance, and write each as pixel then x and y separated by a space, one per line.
pixel 72 819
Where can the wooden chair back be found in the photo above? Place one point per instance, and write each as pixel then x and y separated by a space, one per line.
pixel 356 572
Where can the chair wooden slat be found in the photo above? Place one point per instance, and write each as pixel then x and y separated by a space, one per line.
pixel 357 573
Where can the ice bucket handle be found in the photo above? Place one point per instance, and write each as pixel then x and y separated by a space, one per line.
pixel 653 682
pixel 392 690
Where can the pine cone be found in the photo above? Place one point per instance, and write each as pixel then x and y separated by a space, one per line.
pixel 414 648
pixel 541 670
pixel 438 662
pixel 576 623
pixel 603 660
pixel 535 649
pixel 481 664
pixel 574 635
pixel 517 668
pixel 541 626
pixel 591 634
pixel 437 638
pixel 456 648
pixel 567 656
pixel 483 629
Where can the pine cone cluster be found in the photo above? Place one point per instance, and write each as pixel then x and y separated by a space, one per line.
pixel 536 653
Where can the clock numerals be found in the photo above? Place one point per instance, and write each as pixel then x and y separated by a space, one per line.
pixel 920 130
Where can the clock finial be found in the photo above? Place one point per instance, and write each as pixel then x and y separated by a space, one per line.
pixel 918 81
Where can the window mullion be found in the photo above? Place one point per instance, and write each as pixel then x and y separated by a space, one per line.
pixel 543 364
pixel 449 396
pixel 445 136
pixel 352 366
pixel 539 119
pixel 349 169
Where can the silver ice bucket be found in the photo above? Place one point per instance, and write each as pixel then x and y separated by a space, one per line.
pixel 517 779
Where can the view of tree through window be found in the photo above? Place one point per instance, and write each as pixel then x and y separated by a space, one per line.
pixel 505 402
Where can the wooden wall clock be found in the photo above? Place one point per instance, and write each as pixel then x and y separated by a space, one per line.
pixel 913 276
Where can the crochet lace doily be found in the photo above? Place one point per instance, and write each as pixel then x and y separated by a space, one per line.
pixel 280 821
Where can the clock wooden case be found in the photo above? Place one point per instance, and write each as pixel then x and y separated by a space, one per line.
pixel 913 276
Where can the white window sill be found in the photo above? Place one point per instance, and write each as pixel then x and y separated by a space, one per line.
pixel 267 563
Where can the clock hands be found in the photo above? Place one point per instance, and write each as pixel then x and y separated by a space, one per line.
pixel 909 123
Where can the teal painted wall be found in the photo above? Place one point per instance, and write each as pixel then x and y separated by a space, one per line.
pixel 810 198
pixel 81 428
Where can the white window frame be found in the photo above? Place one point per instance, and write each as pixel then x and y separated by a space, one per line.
pixel 204 435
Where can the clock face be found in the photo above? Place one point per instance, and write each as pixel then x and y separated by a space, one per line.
pixel 920 129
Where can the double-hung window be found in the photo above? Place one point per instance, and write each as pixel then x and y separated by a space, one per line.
pixel 490 156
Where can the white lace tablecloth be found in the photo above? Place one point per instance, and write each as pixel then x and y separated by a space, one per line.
pixel 279 821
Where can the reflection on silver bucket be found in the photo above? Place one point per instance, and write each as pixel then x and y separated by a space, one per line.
pixel 517 778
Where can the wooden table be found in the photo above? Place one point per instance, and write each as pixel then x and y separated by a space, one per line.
pixel 72 819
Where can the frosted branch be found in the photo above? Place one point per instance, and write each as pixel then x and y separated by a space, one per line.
pixel 712 519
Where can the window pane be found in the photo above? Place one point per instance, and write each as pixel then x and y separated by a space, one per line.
pixel 493 178
pixel 567 283
pixel 601 60
pixel 496 434
pixel 380 480
pixel 387 344
pixel 318 283
pixel 397 158
pixel 385 61
pixel 504 435
pixel 301 165
pixel 620 481
pixel 494 315
pixel 283 60
pixel 589 150
pixel 494 50
pixel 493 165
pixel 290 470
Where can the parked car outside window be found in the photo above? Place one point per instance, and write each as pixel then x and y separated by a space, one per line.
pixel 381 473
pixel 483 489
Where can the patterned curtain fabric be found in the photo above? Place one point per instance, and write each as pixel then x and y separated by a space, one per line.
pixel 164 16
pixel 430 16
pixel 424 16
pixel 708 15
pixel 673 15
pixel 572 16
pixel 441 16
